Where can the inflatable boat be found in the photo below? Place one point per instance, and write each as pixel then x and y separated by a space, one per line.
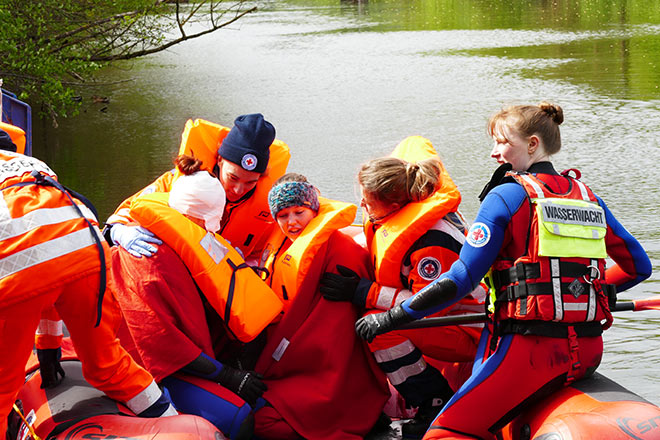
pixel 76 410
pixel 592 408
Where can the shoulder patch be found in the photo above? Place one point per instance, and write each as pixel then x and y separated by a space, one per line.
pixel 478 235
pixel 429 268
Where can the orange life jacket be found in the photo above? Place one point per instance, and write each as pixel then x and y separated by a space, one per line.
pixel 250 222
pixel 389 243
pixel 45 242
pixel 537 287
pixel 289 263
pixel 245 303
pixel 16 134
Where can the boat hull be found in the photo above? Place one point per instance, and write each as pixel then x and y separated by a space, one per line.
pixel 76 410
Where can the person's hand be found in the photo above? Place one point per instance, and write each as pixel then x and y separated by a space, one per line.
pixel 369 326
pixel 339 287
pixel 247 384
pixel 135 239
pixel 49 366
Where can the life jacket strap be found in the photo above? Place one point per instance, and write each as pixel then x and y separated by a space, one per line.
pixel 527 271
pixel 524 289
pixel 604 300
pixel 573 355
pixel 232 286
pixel 549 328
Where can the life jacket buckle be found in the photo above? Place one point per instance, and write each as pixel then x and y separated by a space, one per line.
pixel 593 273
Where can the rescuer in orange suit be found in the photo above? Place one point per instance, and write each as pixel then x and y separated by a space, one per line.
pixel 52 253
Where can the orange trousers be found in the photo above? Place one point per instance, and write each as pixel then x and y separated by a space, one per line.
pixel 105 364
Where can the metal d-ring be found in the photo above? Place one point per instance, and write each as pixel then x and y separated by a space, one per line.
pixel 589 271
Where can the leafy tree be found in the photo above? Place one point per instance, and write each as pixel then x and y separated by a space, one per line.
pixel 50 48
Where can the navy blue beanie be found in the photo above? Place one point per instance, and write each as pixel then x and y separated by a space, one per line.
pixel 5 142
pixel 248 142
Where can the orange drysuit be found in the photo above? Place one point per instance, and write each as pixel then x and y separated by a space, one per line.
pixel 52 254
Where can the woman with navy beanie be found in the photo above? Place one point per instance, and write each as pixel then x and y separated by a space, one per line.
pixel 247 159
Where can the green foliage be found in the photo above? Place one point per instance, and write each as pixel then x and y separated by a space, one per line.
pixel 49 48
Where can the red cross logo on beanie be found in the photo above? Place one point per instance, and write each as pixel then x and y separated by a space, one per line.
pixel 249 162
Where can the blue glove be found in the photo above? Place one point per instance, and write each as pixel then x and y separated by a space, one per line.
pixel 135 239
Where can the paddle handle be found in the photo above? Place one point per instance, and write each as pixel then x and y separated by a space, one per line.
pixel 474 318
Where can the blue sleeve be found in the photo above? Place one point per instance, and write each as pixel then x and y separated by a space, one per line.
pixel 484 241
pixel 626 251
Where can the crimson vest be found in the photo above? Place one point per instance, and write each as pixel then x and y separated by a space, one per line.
pixel 548 283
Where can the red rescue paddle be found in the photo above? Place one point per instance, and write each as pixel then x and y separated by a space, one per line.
pixel 472 318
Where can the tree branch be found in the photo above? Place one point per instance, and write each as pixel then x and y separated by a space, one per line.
pixel 131 55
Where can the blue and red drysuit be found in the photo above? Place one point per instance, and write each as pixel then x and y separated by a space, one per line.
pixel 519 366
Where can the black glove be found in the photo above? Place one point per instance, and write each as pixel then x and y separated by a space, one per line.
pixel 247 384
pixel 369 326
pixel 49 366
pixel 339 287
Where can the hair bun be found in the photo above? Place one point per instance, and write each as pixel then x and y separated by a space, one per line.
pixel 554 111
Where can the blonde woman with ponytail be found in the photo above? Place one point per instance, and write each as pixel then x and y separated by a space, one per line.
pixel 414 232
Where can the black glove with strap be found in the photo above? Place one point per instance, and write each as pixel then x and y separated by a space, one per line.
pixel 49 366
pixel 344 286
pixel 247 384
pixel 369 326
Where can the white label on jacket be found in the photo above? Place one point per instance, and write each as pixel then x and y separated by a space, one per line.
pixel 213 247
pixel 21 165
pixel 592 216
pixel 281 348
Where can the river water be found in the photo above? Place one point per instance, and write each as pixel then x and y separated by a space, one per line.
pixel 346 81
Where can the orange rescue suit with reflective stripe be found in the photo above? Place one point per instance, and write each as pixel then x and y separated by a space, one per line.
pixel 245 303
pixel 389 243
pixel 289 266
pixel 40 231
pixel 16 134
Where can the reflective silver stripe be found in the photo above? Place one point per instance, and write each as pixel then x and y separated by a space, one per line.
pixel 385 297
pixel 403 373
pixel 13 227
pixel 396 352
pixel 47 251
pixel 402 296
pixel 556 288
pixel 537 188
pixel 591 313
pixel 583 190
pixel 50 327
pixel 556 293
pixel 554 267
pixel 448 228
pixel 575 307
pixel 144 398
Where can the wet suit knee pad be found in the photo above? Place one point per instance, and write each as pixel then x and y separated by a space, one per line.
pixel 228 412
